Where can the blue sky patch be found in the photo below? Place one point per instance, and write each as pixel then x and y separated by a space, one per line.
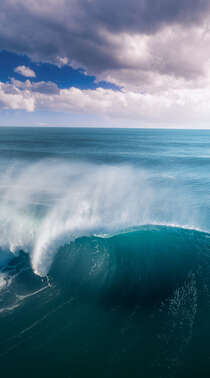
pixel 64 77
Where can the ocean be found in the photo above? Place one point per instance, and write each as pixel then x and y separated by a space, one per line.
pixel 104 253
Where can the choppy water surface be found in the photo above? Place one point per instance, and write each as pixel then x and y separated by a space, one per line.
pixel 104 253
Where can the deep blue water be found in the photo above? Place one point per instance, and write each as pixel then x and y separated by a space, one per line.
pixel 104 253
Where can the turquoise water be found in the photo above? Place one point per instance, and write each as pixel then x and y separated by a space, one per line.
pixel 104 253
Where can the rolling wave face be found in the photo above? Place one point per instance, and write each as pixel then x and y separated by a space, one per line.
pixel 150 286
pixel 46 204
pixel 143 266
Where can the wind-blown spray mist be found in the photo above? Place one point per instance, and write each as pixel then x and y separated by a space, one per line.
pixel 47 204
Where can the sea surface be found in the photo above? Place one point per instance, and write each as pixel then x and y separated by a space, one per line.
pixel 104 253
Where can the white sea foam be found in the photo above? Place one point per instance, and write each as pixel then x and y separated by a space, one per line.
pixel 46 204
pixel 3 281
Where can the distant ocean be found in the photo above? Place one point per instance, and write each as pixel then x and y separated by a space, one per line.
pixel 104 253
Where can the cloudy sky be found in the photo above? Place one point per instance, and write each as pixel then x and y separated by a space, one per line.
pixel 113 63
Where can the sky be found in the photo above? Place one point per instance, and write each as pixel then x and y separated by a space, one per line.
pixel 96 63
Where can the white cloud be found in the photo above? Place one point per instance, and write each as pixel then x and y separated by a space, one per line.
pixel 25 71
pixel 175 107
pixel 13 98
pixel 60 61
pixel 170 58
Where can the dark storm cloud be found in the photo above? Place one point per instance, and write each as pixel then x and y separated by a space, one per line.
pixel 144 16
pixel 85 31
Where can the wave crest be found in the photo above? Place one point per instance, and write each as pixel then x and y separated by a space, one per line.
pixel 50 203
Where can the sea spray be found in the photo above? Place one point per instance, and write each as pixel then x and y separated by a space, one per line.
pixel 46 204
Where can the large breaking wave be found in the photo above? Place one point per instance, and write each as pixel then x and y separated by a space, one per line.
pixel 143 266
pixel 48 204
